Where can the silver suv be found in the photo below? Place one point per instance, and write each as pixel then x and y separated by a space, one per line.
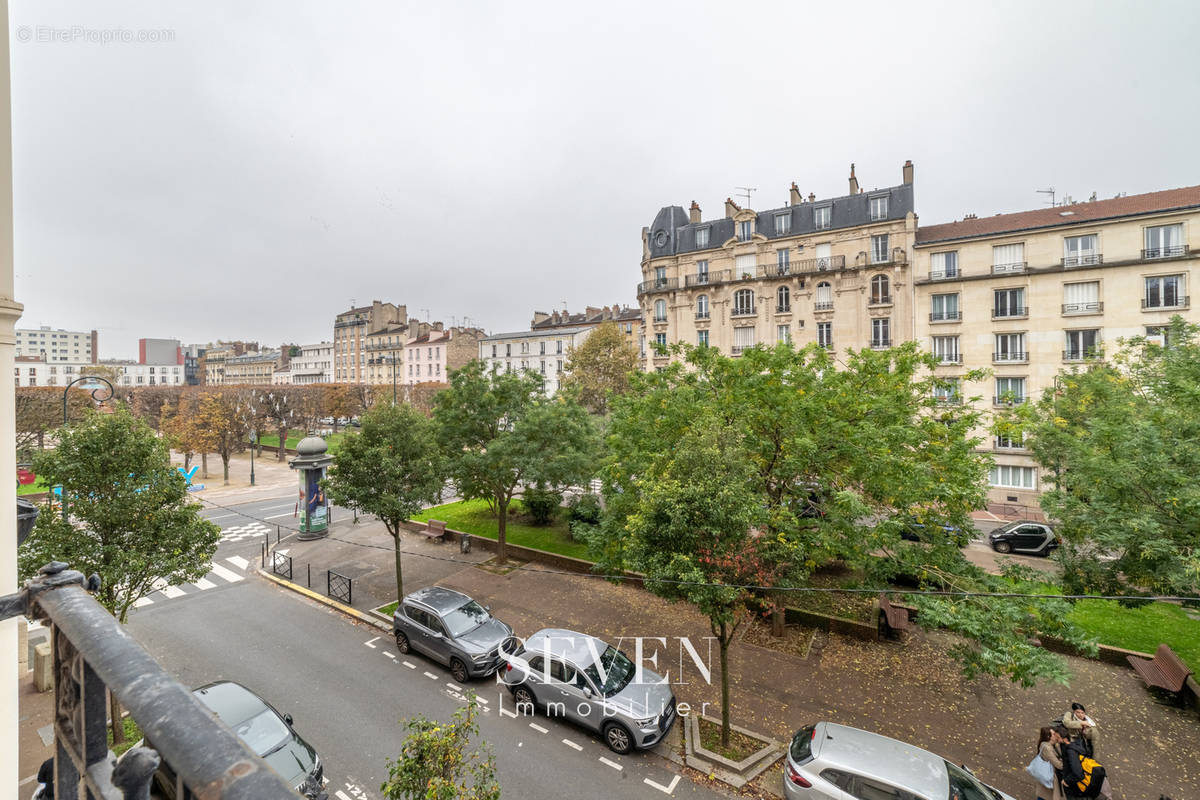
pixel 827 761
pixel 452 629
pixel 591 683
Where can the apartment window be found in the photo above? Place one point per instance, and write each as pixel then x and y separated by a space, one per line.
pixel 943 265
pixel 702 271
pixel 1080 251
pixel 1012 477
pixel 743 338
pixel 558 342
pixel 745 265
pixel 508 350
pixel 824 256
pixel 660 310
pixel 1082 344
pixel 524 348
pixel 1082 298
pixel 1163 291
pixel 824 300
pixel 880 290
pixel 945 348
pixel 558 366
pixel 701 238
pixel 944 307
pixel 783 261
pixel 660 276
pixel 822 217
pixel 702 338
pixel 1159 334
pixel 879 207
pixel 493 351
pixel 1009 347
pixel 702 307
pixel 1164 241
pixel 783 300
pixel 542 345
pixel 542 366
pixel 783 224
pixel 1008 303
pixel 879 249
pixel 1015 442
pixel 881 332
pixel 660 340
pixel 743 302
pixel 783 333
pixel 1008 258
pixel 1010 390
pixel 744 230
pixel 946 391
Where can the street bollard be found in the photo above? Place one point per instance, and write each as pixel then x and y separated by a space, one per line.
pixel 276 534
pixel 309 576
pixel 263 550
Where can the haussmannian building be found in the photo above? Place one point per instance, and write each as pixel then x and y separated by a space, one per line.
pixel 833 271
pixel 351 330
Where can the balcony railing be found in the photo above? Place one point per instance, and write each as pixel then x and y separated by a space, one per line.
pixel 884 300
pixel 1180 302
pixel 805 266
pixel 949 358
pixel 948 399
pixel 823 305
pixel 945 316
pixel 783 309
pixel 660 319
pixel 1009 358
pixel 1082 355
pixel 1083 308
pixel 1004 269
pixel 707 278
pixel 658 285
pixel 880 344
pixel 1084 260
pixel 93 655
pixel 1173 251
pixel 738 349
pixel 943 274
pixel 1008 400
pixel 742 312
pixel 702 315
pixel 1010 313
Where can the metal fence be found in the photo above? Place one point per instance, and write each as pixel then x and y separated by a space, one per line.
pixel 339 587
pixel 281 565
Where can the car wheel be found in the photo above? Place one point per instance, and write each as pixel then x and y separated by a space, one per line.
pixel 459 670
pixel 523 696
pixel 617 738
pixel 402 643
pixel 1002 547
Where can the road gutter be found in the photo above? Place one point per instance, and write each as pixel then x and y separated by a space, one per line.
pixel 320 598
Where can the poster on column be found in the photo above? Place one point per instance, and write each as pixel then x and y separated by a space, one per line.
pixel 315 511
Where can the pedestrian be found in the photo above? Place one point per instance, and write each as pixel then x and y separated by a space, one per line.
pixel 1045 767
pixel 1080 768
pixel 45 777
pixel 1081 726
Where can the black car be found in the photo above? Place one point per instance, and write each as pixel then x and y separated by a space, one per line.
pixel 1024 536
pixel 916 531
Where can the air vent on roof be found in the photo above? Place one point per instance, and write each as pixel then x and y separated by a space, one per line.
pixel 1065 213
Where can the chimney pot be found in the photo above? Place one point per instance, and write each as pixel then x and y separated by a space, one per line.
pixel 853 181
pixel 694 213
pixel 907 171
pixel 796 197
pixel 812 197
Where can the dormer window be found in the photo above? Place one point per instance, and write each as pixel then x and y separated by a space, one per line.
pixel 879 207
pixel 744 230
pixel 822 217
pixel 783 224
pixel 701 238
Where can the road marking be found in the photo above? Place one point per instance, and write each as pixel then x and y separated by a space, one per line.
pixel 504 713
pixel 612 764
pixel 569 743
pixel 280 516
pixel 204 583
pixel 227 573
pixel 282 551
pixel 341 795
pixel 538 728
pixel 455 687
pixel 223 516
pixel 390 654
pixel 431 676
pixel 142 601
pixel 368 644
pixel 409 664
pixel 665 789
pixel 482 700
pixel 172 592
pixel 238 562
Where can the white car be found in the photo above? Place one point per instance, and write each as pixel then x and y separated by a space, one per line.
pixel 828 761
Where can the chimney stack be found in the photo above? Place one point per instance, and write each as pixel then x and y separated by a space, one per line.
pixel 694 213
pixel 437 326
pixel 812 197
pixel 731 208
pixel 539 316
pixel 796 197
pixel 908 171
pixel 853 181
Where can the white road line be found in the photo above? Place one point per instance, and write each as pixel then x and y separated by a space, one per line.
pixel 481 700
pixel 282 551
pixel 172 592
pixel 409 664
pixel 238 562
pixel 538 728
pixel 227 574
pixel 431 676
pixel 142 601
pixel 368 644
pixel 569 743
pixel 341 795
pixel 612 764
pixel 204 583
pixel 223 516
pixel 280 516
pixel 454 686
pixel 389 654
pixel 666 789
pixel 504 713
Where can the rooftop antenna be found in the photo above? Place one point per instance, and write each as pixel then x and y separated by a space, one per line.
pixel 427 315
pixel 564 302
pixel 1050 192
pixel 746 192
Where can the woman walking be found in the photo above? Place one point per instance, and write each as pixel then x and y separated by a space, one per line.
pixel 1046 767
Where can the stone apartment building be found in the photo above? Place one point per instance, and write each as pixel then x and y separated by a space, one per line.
pixel 210 366
pixel 1028 294
pixel 351 330
pixel 254 369
pixel 385 352
pixel 434 352
pixel 833 271
pixel 544 352
pixel 628 320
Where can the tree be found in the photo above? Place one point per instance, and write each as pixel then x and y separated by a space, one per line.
pixel 392 468
pixel 1118 445
pixel 181 427
pixel 279 407
pixel 435 763
pixel 600 367
pixel 499 433
pixel 226 414
pixel 339 399
pixel 39 412
pixel 131 520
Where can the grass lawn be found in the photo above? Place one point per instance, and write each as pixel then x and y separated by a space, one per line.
pixel 32 488
pixel 270 441
pixel 1143 628
pixel 133 734
pixel 390 608
pixel 474 516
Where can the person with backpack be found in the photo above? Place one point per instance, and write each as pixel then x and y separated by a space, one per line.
pixel 1082 776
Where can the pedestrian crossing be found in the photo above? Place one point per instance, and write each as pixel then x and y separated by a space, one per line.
pixel 240 533
pixel 218 575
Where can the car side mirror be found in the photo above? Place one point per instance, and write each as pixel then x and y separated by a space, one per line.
pixel 287 718
pixel 487 609
pixel 588 693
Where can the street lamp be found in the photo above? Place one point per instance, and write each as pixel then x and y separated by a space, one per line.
pixel 253 439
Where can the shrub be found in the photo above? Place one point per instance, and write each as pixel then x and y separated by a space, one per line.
pixel 584 508
pixel 541 504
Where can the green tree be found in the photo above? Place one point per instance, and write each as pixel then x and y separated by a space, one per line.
pixel 499 433
pixel 392 468
pixel 436 763
pixel 599 367
pixel 227 415
pixel 39 411
pixel 1118 445
pixel 131 520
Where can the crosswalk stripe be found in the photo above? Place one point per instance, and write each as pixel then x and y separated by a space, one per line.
pixel 238 562
pixel 172 592
pixel 142 601
pixel 204 583
pixel 227 573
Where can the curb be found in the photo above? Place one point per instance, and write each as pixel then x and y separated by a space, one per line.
pixel 320 598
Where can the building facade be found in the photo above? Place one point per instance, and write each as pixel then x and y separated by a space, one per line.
pixel 435 352
pixel 350 332
pixel 628 320
pixel 160 351
pixel 385 353
pixel 253 369
pixel 832 271
pixel 314 364
pixel 58 345
pixel 542 352
pixel 1029 294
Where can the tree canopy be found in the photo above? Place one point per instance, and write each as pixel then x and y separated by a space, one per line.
pixel 600 367
pixel 436 764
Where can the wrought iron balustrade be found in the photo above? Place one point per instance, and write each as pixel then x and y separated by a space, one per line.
pixel 1010 312
pixel 658 285
pixel 1172 251
pixel 1004 269
pixel 1084 260
pixel 1165 303
pixel 943 274
pixel 1010 357
pixel 945 316
pixel 1083 308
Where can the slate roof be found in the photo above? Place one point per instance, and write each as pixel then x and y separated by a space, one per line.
pixel 535 334
pixel 584 318
pixel 1056 216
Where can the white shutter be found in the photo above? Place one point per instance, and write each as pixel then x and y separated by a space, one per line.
pixel 746 264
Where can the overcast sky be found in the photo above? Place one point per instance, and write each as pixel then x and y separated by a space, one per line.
pixel 272 161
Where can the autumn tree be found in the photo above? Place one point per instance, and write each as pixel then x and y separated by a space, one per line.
pixel 599 367
pixel 437 762
pixel 226 414
pixel 340 401
pixel 279 407
pixel 181 427
pixel 39 411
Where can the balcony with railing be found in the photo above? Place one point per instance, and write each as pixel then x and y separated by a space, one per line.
pixel 1172 251
pixel 1087 354
pixel 1011 312
pixel 807 266
pixel 1009 399
pixel 880 300
pixel 657 285
pixel 702 315
pixel 738 349
pixel 1082 260
pixel 1166 304
pixel 823 305
pixel 743 311
pixel 1010 268
pixel 943 274
pixel 881 344
pixel 1078 309
pixel 945 316
pixel 707 278
pixel 949 358
pixel 783 308
pixel 1010 357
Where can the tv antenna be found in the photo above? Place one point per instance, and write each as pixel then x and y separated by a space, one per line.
pixel 746 192
pixel 1050 192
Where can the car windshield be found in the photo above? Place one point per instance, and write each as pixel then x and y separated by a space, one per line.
pixel 465 618
pixel 618 671
pixel 263 732
pixel 965 786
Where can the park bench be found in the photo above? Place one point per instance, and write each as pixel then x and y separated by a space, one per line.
pixel 1165 671
pixel 435 529
pixel 892 619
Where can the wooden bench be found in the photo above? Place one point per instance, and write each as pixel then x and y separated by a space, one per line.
pixel 435 529
pixel 1165 671
pixel 892 619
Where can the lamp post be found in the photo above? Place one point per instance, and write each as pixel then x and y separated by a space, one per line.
pixel 253 439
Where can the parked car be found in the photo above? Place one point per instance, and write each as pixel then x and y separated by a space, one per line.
pixel 591 683
pixel 265 731
pixel 452 629
pixel 828 761
pixel 1024 537
pixel 916 531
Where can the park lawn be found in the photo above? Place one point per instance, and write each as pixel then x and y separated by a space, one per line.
pixel 474 516
pixel 1143 628
pixel 270 441
pixel 37 487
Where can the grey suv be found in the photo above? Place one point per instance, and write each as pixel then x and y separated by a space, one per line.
pixel 827 761
pixel 593 684
pixel 452 629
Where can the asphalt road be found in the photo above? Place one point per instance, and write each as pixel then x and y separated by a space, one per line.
pixel 349 690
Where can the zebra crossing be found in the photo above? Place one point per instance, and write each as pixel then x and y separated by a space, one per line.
pixel 218 575
pixel 240 533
